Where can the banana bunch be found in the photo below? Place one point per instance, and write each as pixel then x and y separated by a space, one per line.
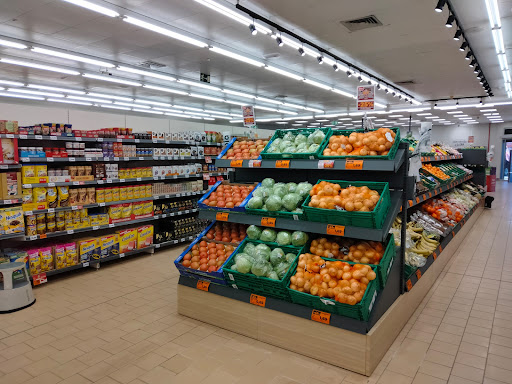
pixel 425 246
pixel 414 230
pixel 397 224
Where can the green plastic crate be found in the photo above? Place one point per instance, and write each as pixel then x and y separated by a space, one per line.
pixel 261 285
pixel 282 214
pixel 305 131
pixel 408 271
pixel 347 132
pixel 373 219
pixel 359 311
pixel 440 181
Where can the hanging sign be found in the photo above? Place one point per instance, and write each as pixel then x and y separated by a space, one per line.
pixel 366 98
pixel 248 115
pixel 471 139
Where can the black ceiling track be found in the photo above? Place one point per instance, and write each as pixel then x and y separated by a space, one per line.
pixel 281 29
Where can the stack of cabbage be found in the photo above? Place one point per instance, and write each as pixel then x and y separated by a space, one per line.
pixel 297 144
pixel 282 238
pixel 272 196
pixel 261 261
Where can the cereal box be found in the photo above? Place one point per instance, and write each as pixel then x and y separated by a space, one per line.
pixel 89 249
pixel 109 245
pixel 127 240
pixel 9 151
pixel 144 236
pixel 11 185
pixel 46 255
pixel 12 220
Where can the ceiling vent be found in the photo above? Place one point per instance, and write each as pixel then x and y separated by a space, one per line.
pixel 151 64
pixel 366 22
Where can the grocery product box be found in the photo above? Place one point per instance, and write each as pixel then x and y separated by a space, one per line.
pixel 109 245
pixel 11 220
pixel 127 240
pixel 7 126
pixel 144 236
pixel 9 151
pixel 10 185
pixel 89 249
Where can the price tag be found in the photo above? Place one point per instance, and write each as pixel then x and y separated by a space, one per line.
pixel 53 138
pixel 109 181
pixel 76 183
pixel 417 200
pixel 254 163
pixel 23 137
pixel 325 164
pixel 435 255
pixel 51 159
pixel 33 237
pixel 418 274
pixel 39 278
pixel 39 137
pixel 258 300
pixel 51 184
pixel 409 285
pixel 119 140
pixel 102 204
pixel 51 210
pixel 121 255
pixel 95 228
pixel 76 207
pixel 70 231
pixel 164 216
pixel 268 221
pixel 122 180
pixel 139 178
pixel 182 157
pixel 116 158
pixel 99 139
pixel 236 163
pixel 182 239
pixel 336 230
pixel 10 136
pixel 354 164
pixel 282 163
pixel 321 317
pixel 88 159
pixel 111 225
pixel 137 140
pixel 71 159
pixel 80 139
pixel 126 158
pixel 10 201
pixel 141 158
pixel 43 236
pixel 4 167
pixel 85 264
pixel 222 216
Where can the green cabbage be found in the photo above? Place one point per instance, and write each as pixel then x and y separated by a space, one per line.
pixel 243 265
pixel 290 257
pixel 280 191
pixel 260 268
pixel 284 238
pixel 277 256
pixel 292 187
pixel 303 189
pixel 255 203
pixel 273 203
pixel 316 137
pixel 291 201
pixel 268 182
pixel 242 255
pixel 313 147
pixel 289 136
pixel 263 247
pixel 299 238
pixel 300 139
pixel 253 233
pixel 285 145
pixel 272 275
pixel 268 235
pixel 281 269
pixel 249 249
pixel 265 192
pixel 234 268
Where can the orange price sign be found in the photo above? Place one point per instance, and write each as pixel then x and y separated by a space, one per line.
pixel 354 164
pixel 222 216
pixel 418 274
pixel 203 285
pixel 282 163
pixel 43 236
pixel 417 200
pixel 268 221
pixel 39 278
pixel 321 317
pixel 435 255
pixel 336 230
pixel 236 163
pixel 409 285
pixel 258 300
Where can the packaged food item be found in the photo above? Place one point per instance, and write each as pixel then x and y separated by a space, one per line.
pixel 39 194
pixel 27 196
pixel 147 207
pixel 82 196
pixel 34 260
pixel 89 249
pixel 12 219
pixel 51 226
pixel 109 245
pixel 115 211
pixel 63 196
pixel 30 220
pixel 85 222
pixel 10 185
pixel 149 190
pixel 60 256
pixel 46 259
pixel 136 192
pixel 123 193
pixel 41 229
pixel 41 170
pixel 61 225
pixel 129 193
pixel 28 171
pixel 126 210
pixel 103 218
pixel 115 193
pixel 31 230
pixel 91 195
pixel 51 197
pixel 127 240
pixel 7 126
pixel 71 254
pixel 50 216
pixel 144 236
pixel 108 195
pixel 138 209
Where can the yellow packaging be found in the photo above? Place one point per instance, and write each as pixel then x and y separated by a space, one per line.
pixel 115 211
pixel 121 173
pixel 46 259
pixel 127 240
pixel 115 193
pixel 144 236
pixel 34 260
pixel 100 195
pixel 83 213
pixel 109 245
pixel 39 195
pixel 86 222
pixel 129 193
pixel 60 256
pixel 71 254
pixel 149 172
pixel 12 220
pixel 76 214
pixel 69 215
pixel 147 207
pixel 108 195
pixel 28 171
pixel 122 193
pixel 95 220
pixel 149 190
pixel 68 224
pixel 133 173
pixel 138 209
pixel 103 218
pixel 136 192
pixel 27 196
pixel 138 172
pixel 41 170
pixel 51 226
pixel 89 249
pixel 126 210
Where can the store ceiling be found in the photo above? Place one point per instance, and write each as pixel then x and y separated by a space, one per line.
pixel 412 46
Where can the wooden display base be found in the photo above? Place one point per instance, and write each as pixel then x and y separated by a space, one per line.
pixel 360 353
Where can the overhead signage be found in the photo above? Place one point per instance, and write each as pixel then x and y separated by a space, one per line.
pixel 366 98
pixel 248 115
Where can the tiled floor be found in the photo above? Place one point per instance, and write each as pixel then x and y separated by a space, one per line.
pixel 119 325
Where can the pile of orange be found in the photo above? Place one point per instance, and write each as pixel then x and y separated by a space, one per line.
pixel 245 149
pixel 227 232
pixel 435 171
pixel 366 252
pixel 207 256
pixel 373 143
pixel 331 196
pixel 228 196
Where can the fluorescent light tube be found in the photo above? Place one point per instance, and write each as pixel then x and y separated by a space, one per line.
pixel 68 101
pixel 132 105
pixel 69 56
pixel 189 108
pixel 197 84
pixel 266 108
pixel 294 106
pixel 39 66
pixel 287 112
pixel 234 102
pixel 317 84
pixel 12 83
pixel 94 94
pixel 380 105
pixel 209 118
pixel 236 93
pixel 310 109
pixel 267 100
pixel 206 97
pixel 146 73
pixel 148 111
pixel 454 112
pixel 152 103
pixel 176 115
pixel 30 92
pixel 56 89
pixel 89 99
pixel 18 96
pixel 115 107
pixel 94 7
pixel 170 90
pixel 394 116
pixel 283 72
pixel 111 79
pixel 236 56
pixel 12 44
pixel 163 31
pixel 335 90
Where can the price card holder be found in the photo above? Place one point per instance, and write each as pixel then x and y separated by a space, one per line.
pixel 409 285
pixel 336 230
pixel 282 163
pixel 236 163
pixel 203 285
pixel 435 256
pixel 354 164
pixel 325 164
pixel 258 300
pixel 39 279
pixel 418 274
pixel 254 163
pixel 268 221
pixel 43 236
pixel 222 216
pixel 321 317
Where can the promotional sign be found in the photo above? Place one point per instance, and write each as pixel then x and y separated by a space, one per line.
pixel 248 114
pixel 366 98
pixel 471 139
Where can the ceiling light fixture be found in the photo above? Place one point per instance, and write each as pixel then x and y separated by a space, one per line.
pixel 39 66
pixel 94 7
pixel 301 52
pixel 19 96
pixel 317 84
pixel 236 56
pixel 88 99
pixel 114 107
pixel 51 52
pixel 152 103
pixel 279 41
pixel 12 83
pixel 283 72
pixel 463 46
pixel 146 73
pixel 111 79
pixel 200 85
pixel 131 105
pixel 253 29
pixel 440 5
pixel 12 44
pixel 271 101
pixel 468 55
pixel 55 89
pixel 320 59
pixel 66 101
pixel 207 97
pixel 335 67
pixel 170 90
pixel 473 63
pixel 457 35
pixel 449 22
pixel 236 93
pixel 94 94
pixel 30 92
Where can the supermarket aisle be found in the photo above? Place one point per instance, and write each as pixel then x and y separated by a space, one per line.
pixel 119 325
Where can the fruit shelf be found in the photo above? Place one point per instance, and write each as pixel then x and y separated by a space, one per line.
pixel 366 164
pixel 413 277
pixel 100 159
pixel 383 301
pixel 428 159
pixel 311 226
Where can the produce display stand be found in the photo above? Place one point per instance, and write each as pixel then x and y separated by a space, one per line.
pixel 476 159
pixel 285 324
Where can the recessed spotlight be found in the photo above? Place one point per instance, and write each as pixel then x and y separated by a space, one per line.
pixel 468 55
pixel 279 41
pixel 463 46
pixel 320 59
pixel 335 67
pixel 253 30
pixel 301 51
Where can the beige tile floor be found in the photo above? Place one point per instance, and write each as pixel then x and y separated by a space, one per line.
pixel 119 325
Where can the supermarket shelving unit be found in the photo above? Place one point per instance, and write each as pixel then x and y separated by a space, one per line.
pixel 476 159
